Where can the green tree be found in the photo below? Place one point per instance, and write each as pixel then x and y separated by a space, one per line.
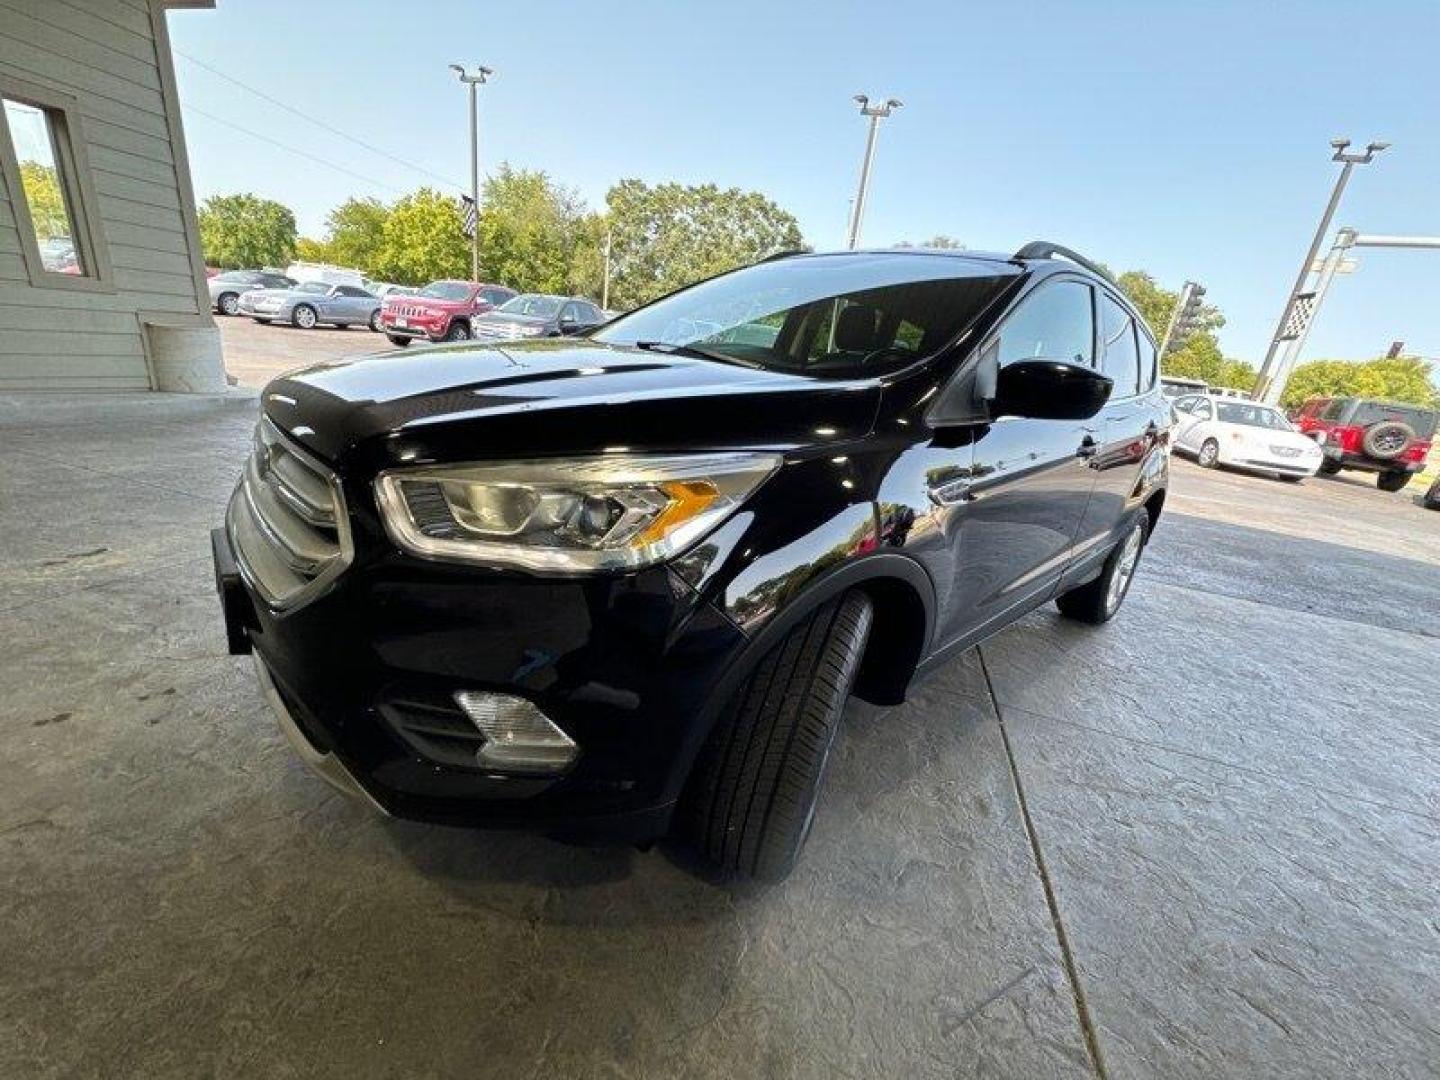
pixel 938 241
pixel 530 228
pixel 1405 378
pixel 355 233
pixel 241 231
pixel 423 239
pixel 670 235
pixel 45 200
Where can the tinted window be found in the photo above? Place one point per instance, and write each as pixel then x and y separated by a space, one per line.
pixel 446 290
pixel 1202 409
pixel 1184 404
pixel 572 313
pixel 1249 415
pixel 821 314
pixel 1053 323
pixel 1122 357
pixel 1148 367
pixel 495 296
pixel 351 290
pixel 1333 409
pixel 532 304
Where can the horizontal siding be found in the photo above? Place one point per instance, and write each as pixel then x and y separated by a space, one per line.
pixel 100 52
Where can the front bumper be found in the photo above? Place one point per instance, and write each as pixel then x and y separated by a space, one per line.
pixel 413 328
pixel 279 312
pixel 362 680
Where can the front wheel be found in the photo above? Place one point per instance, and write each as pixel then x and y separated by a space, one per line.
pixel 229 304
pixel 751 797
pixel 1290 478
pixel 1097 601
pixel 1209 455
pixel 457 331
pixel 1329 467
pixel 304 317
pixel 1395 480
pixel 375 322
pixel 398 339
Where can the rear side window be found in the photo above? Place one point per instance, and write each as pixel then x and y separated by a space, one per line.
pixel 1056 322
pixel 1122 355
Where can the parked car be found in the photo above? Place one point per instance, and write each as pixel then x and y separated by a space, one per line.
pixel 311 303
pixel 536 315
pixel 227 287
pixel 1175 386
pixel 1389 438
pixel 621 585
pixel 1243 435
pixel 440 311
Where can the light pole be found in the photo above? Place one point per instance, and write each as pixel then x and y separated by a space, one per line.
pixel 473 81
pixel 1284 331
pixel 876 113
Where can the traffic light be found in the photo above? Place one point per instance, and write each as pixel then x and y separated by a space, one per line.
pixel 1187 316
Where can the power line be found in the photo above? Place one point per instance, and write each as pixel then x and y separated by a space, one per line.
pixel 319 123
pixel 292 149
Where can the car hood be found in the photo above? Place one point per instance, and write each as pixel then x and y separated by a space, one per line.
pixel 505 318
pixel 550 397
pixel 431 302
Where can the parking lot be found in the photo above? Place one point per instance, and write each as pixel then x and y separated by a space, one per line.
pixel 1201 841
pixel 255 354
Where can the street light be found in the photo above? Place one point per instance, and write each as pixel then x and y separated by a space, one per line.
pixel 1292 321
pixel 876 113
pixel 478 78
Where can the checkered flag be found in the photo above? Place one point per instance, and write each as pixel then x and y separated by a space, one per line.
pixel 1299 316
pixel 472 217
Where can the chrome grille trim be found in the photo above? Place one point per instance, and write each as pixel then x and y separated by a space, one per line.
pixel 288 545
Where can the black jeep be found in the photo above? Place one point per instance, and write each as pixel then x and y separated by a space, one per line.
pixel 621 585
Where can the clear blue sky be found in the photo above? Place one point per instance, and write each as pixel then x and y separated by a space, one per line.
pixel 1189 140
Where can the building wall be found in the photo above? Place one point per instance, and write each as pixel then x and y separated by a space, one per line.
pixel 113 58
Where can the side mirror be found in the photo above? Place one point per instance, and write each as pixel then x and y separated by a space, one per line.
pixel 1050 390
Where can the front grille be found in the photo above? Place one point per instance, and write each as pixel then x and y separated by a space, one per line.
pixel 287 521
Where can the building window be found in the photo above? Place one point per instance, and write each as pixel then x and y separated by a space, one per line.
pixel 49 191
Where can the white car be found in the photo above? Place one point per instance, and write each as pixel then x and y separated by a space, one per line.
pixel 1243 435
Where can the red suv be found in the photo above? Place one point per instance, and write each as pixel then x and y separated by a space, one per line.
pixel 1382 437
pixel 439 312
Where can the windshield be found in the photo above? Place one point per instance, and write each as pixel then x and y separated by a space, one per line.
pixel 541 307
pixel 446 290
pixel 313 287
pixel 823 315
pixel 1233 412
pixel 238 277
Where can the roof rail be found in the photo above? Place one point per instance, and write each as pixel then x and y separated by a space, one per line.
pixel 1046 249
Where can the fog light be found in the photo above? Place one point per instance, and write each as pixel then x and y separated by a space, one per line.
pixel 518 736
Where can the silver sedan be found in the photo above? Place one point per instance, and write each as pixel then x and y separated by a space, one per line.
pixel 314 302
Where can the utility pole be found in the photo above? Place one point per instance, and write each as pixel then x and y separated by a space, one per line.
pixel 473 82
pixel 1298 298
pixel 876 113
pixel 605 287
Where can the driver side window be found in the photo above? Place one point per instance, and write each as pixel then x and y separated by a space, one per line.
pixel 1055 322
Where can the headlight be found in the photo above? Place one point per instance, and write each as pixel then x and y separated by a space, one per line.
pixel 567 515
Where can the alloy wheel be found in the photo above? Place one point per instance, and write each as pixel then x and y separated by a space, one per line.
pixel 1124 570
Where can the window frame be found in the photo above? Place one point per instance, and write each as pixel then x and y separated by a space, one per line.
pixel 1104 349
pixel 67 138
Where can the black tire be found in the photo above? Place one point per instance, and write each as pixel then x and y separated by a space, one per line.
pixel 398 339
pixel 1387 440
pixel 1208 456
pixel 459 330
pixel 229 303
pixel 1094 601
pixel 375 321
pixel 751 797
pixel 1395 480
pixel 1289 479
pixel 304 321
pixel 1432 497
pixel 1329 467
pixel 264 322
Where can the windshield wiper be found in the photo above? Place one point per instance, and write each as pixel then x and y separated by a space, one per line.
pixel 671 349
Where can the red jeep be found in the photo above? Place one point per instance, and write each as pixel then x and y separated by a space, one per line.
pixel 439 312
pixel 1382 437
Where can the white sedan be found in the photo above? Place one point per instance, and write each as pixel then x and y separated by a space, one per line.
pixel 1243 435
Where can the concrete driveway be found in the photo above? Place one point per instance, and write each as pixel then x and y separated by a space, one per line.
pixel 1200 842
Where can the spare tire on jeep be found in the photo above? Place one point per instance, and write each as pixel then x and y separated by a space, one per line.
pixel 1387 439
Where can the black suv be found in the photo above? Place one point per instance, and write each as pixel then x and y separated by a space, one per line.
pixel 619 586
